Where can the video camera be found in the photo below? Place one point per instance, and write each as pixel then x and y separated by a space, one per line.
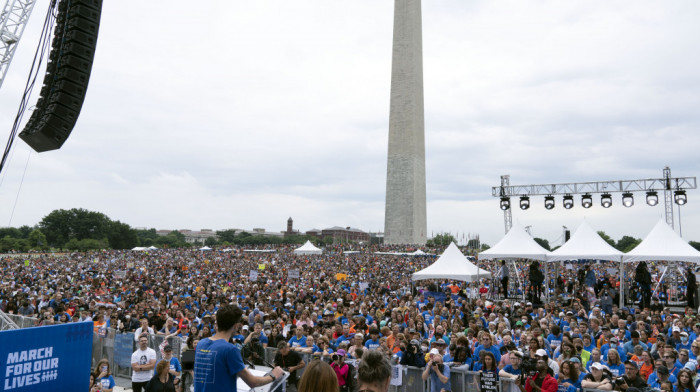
pixel 528 368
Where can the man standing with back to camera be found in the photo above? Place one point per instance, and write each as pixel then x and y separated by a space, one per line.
pixel 218 363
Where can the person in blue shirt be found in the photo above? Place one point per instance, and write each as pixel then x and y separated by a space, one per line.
pixel 617 368
pixel 486 345
pixel 568 377
pixel 685 342
pixel 373 342
pixel 671 362
pixel 554 338
pixel 174 366
pixel 104 377
pixel 438 372
pixel 513 370
pixel 299 339
pixel 219 363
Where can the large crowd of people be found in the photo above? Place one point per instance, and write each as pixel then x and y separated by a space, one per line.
pixel 351 306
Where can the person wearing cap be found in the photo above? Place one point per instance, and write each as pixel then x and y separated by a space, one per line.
pixel 598 378
pixel 438 372
pixel 661 375
pixel 552 364
pixel 413 356
pixel 174 364
pixel 513 370
pixel 632 377
pixel 342 370
pixel 685 341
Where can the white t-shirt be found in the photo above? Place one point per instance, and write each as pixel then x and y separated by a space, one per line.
pixel 142 357
pixel 139 330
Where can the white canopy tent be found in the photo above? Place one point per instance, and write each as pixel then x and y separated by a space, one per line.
pixel 662 244
pixel 139 248
pixel 205 248
pixel 452 264
pixel 307 249
pixel 517 244
pixel 587 244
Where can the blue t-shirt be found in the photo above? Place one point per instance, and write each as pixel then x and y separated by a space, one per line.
pixel 175 365
pixel 435 384
pixel 106 382
pixel 216 366
pixel 509 369
pixel 372 344
pixel 296 342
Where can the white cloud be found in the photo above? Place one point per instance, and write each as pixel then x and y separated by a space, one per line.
pixel 241 114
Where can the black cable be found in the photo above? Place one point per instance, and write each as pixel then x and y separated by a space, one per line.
pixel 41 50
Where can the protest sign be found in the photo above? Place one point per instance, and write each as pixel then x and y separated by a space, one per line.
pixel 488 382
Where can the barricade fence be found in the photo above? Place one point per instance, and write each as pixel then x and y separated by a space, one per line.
pixel 117 348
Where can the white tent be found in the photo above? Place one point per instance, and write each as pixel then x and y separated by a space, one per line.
pixel 205 248
pixel 662 243
pixel 452 265
pixel 139 248
pixel 517 244
pixel 152 248
pixel 307 249
pixel 585 244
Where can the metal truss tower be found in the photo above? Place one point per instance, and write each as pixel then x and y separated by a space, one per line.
pixel 13 20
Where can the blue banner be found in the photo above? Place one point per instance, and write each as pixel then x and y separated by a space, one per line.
pixel 123 348
pixel 50 358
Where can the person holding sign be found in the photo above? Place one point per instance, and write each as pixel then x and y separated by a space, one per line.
pixel 438 373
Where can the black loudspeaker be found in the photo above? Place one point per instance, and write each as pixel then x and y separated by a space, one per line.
pixel 67 75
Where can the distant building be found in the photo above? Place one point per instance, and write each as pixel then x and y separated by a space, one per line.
pixel 190 235
pixel 345 234
pixel 290 228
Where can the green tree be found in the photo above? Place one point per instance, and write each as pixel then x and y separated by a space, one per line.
pixel 121 236
pixel 37 240
pixel 61 225
pixel 8 243
pixel 146 237
pixel 607 238
pixel 694 244
pixel 543 243
pixel 210 241
pixel 440 240
pixel 627 243
pixel 226 235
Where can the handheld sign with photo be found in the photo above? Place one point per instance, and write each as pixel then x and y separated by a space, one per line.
pixel 488 382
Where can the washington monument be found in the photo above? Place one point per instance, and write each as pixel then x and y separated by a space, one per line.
pixel 405 212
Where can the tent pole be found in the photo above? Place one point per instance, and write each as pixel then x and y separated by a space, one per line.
pixel 546 279
pixel 622 283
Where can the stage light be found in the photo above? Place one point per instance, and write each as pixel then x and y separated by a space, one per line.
pixel 627 199
pixel 549 202
pixel 680 197
pixel 606 200
pixel 568 202
pixel 505 203
pixel 652 198
pixel 586 200
pixel 524 202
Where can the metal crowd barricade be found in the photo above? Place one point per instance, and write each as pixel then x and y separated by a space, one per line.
pixel 508 385
pixel 413 380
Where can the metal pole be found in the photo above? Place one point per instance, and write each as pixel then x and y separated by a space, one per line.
pixel 622 283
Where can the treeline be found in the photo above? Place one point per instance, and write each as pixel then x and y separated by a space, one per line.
pixel 78 229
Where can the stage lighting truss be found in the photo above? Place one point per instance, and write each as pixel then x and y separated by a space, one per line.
pixel 568 202
pixel 524 202
pixel 549 202
pixel 505 203
pixel 627 199
pixel 606 200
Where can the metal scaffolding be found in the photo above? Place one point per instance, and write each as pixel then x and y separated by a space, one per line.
pixel 13 20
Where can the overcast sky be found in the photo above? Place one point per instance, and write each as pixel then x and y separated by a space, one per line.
pixel 240 114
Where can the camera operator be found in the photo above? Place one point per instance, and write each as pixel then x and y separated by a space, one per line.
pixel 413 356
pixel 253 351
pixel 438 373
pixel 631 378
pixel 342 370
pixel 542 381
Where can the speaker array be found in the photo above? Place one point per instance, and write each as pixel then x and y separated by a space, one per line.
pixel 67 75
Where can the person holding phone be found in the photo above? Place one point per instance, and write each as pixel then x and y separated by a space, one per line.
pixel 104 377
pixel 438 373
